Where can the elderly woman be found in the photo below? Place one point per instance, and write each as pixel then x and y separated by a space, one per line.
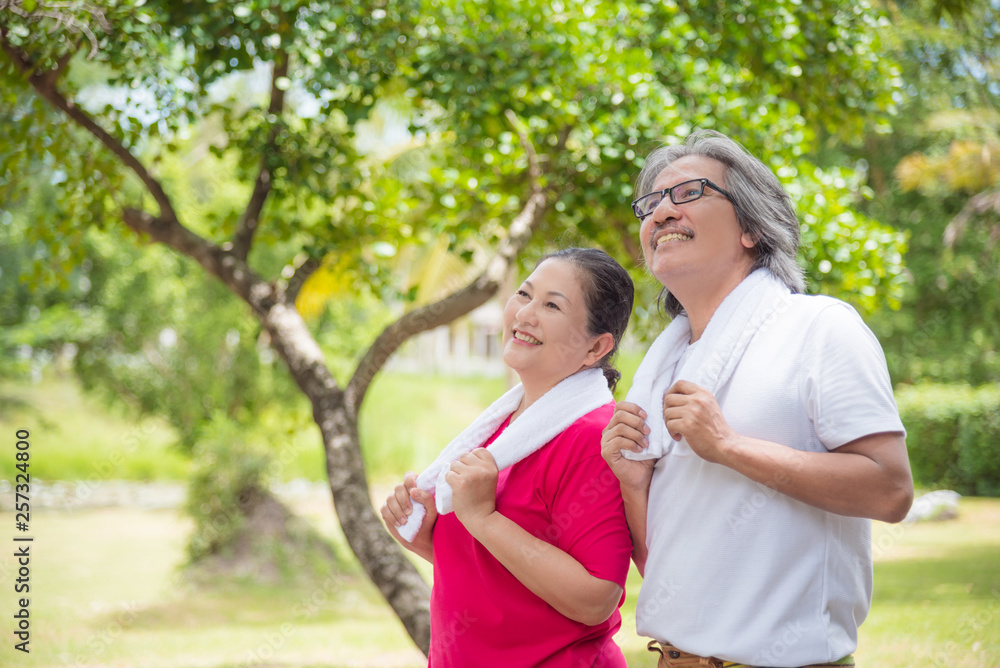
pixel 530 568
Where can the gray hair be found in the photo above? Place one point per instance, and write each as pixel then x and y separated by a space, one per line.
pixel 763 209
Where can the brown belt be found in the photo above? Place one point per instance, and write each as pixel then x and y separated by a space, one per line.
pixel 671 657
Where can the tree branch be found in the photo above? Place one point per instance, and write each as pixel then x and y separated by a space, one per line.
pixel 978 205
pixel 628 241
pixel 534 172
pixel 453 306
pixel 232 271
pixel 243 238
pixel 45 84
pixel 48 11
pixel 473 295
pixel 53 75
pixel 297 276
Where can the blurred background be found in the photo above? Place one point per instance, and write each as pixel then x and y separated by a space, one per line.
pixel 253 256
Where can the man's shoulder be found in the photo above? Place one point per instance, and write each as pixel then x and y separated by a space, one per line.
pixel 816 303
pixel 830 323
pixel 806 309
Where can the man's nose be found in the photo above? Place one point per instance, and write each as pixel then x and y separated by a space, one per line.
pixel 664 211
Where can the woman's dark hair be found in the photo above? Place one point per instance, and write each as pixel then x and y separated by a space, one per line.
pixel 608 291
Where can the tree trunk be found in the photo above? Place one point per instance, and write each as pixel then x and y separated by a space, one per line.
pixel 383 560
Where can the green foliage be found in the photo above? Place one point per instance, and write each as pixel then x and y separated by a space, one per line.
pixel 593 92
pixel 845 252
pixel 156 350
pixel 953 435
pixel 610 90
pixel 347 327
pixel 35 324
pixel 142 328
pixel 946 330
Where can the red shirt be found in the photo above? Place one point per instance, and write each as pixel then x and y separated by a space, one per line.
pixel 565 494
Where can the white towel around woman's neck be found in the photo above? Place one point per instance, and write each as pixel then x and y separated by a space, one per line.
pixel 758 299
pixel 549 416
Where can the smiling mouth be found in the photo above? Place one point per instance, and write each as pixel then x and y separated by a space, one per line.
pixel 673 236
pixel 526 338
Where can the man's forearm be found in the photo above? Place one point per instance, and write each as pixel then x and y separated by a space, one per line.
pixel 869 477
pixel 636 506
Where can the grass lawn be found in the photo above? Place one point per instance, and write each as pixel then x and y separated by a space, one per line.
pixel 104 589
pixel 937 592
pixel 104 592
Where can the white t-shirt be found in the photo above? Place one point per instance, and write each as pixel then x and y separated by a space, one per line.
pixel 737 570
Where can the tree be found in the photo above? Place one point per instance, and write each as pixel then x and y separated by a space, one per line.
pixel 935 176
pixel 522 118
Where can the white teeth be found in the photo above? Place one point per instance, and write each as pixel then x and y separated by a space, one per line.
pixel 673 236
pixel 521 336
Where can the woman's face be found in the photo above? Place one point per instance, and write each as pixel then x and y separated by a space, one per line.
pixel 545 337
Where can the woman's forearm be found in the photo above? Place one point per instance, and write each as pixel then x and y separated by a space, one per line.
pixel 426 551
pixel 549 572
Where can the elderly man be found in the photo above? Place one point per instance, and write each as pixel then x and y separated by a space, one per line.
pixel 760 436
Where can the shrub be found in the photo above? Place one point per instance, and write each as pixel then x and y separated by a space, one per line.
pixel 241 530
pixel 953 436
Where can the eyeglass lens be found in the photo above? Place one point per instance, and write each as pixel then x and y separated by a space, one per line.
pixel 679 194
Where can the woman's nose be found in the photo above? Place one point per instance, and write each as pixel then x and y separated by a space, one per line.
pixel 527 313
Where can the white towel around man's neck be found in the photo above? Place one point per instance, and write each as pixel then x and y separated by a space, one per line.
pixel 549 416
pixel 711 362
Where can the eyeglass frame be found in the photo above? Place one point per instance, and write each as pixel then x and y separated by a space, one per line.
pixel 669 192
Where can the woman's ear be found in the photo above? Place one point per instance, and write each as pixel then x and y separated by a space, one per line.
pixel 602 345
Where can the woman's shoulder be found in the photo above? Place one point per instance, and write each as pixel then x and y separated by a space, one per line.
pixel 595 419
pixel 589 427
pixel 574 456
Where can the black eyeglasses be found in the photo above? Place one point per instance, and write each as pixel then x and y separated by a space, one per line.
pixel 681 193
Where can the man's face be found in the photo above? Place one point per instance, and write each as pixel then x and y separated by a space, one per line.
pixel 699 240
